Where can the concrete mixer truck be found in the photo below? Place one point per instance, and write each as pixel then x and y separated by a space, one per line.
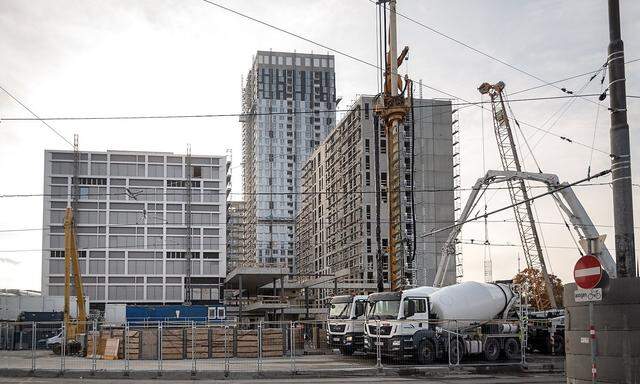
pixel 448 323
pixel 346 323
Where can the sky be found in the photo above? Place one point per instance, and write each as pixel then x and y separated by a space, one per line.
pixel 159 57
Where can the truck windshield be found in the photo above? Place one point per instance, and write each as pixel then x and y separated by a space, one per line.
pixel 340 310
pixel 384 309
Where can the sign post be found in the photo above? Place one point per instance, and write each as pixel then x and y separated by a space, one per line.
pixel 588 274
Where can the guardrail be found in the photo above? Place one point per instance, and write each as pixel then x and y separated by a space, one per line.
pixel 262 347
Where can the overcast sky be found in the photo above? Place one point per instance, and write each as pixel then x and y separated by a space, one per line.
pixel 97 58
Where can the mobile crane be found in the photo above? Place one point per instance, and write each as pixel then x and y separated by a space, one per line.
pixel 67 341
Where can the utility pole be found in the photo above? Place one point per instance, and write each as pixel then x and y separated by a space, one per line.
pixel 187 218
pixel 620 151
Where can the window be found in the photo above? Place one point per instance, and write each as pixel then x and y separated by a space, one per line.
pixel 196 171
pixel 420 305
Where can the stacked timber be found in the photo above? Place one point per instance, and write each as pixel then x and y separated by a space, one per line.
pixel 172 343
pixel 95 341
pixel 132 342
pixel 198 341
pixel 247 343
pixel 218 343
pixel 272 342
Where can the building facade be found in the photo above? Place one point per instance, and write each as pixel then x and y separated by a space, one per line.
pixel 289 105
pixel 337 222
pixel 235 233
pixel 131 220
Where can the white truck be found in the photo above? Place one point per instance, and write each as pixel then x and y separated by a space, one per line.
pixel 346 323
pixel 448 323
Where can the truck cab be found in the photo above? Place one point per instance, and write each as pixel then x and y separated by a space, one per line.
pixel 346 323
pixel 394 318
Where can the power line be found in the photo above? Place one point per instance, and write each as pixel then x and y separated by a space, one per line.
pixel 276 113
pixel 568 78
pixel 221 193
pixel 442 34
pixel 36 116
pixel 378 68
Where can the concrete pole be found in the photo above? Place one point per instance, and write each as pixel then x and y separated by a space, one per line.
pixel 621 154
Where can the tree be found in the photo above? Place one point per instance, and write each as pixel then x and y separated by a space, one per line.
pixel 536 290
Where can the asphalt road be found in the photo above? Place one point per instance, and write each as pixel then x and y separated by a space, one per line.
pixel 465 379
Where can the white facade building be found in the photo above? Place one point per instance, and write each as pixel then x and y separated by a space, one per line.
pixel 131 227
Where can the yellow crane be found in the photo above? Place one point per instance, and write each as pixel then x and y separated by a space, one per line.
pixel 392 108
pixel 73 328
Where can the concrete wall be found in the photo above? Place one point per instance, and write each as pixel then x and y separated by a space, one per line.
pixel 617 325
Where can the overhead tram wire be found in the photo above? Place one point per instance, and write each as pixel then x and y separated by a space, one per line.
pixel 478 51
pixel 224 193
pixel 277 113
pixel 35 115
pixel 340 52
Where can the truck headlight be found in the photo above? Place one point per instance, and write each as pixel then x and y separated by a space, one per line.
pixel 366 340
pixel 395 343
pixel 349 338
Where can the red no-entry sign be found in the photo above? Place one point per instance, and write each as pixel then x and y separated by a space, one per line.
pixel 587 272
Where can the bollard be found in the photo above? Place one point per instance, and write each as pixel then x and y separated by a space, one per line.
pixel 33 346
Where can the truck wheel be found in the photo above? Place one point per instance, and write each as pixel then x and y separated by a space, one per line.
pixel 426 352
pixel 558 345
pixel 511 349
pixel 346 351
pixel 491 349
pixel 456 351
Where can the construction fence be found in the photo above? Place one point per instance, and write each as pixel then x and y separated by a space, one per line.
pixel 225 348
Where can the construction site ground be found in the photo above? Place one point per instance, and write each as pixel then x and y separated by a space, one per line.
pixel 18 364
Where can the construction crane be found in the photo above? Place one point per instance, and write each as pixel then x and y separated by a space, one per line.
pixel 561 193
pixel 72 328
pixel 517 188
pixel 392 108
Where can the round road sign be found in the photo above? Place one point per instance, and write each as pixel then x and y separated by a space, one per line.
pixel 587 272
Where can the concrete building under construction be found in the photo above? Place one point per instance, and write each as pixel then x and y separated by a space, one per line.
pixel 336 226
pixel 289 108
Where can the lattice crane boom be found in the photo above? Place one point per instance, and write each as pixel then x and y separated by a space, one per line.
pixel 517 188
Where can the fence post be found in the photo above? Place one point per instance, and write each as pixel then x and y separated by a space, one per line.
pixel 63 347
pixel 126 349
pixel 159 348
pixel 260 347
pixel 378 345
pixel 193 348
pixel 226 352
pixel 292 342
pixel 93 348
pixel 33 346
